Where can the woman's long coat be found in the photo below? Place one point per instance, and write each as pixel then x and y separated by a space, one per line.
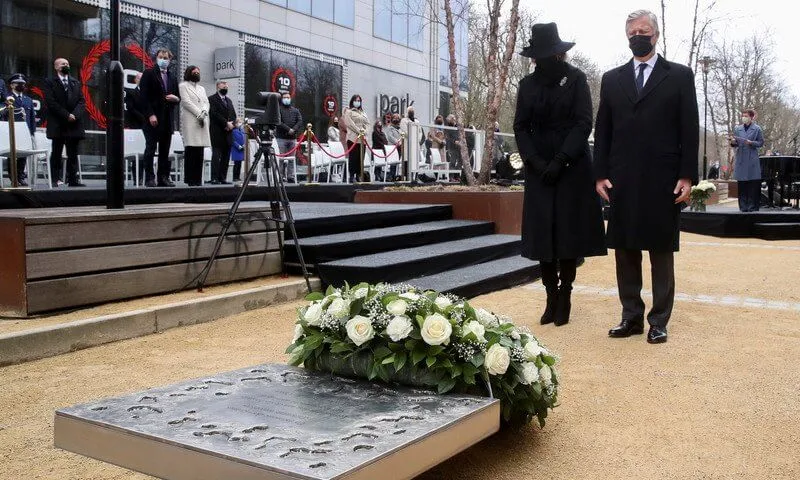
pixel 194 104
pixel 563 220
pixel 748 164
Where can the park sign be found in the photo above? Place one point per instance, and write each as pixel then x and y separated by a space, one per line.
pixel 226 63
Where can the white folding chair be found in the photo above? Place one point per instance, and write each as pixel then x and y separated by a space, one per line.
pixel 176 152
pixel 378 163
pixel 23 145
pixel 134 149
pixel 206 166
pixel 339 166
pixel 437 162
pixel 392 159
pixel 41 142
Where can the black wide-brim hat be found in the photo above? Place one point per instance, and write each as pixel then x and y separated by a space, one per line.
pixel 545 42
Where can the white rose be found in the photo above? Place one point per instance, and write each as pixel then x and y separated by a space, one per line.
pixel 359 329
pixel 533 349
pixel 298 332
pixel 313 314
pixel 497 359
pixel 475 328
pixel 397 307
pixel 530 374
pixel 410 296
pixel 515 334
pixel 546 375
pixel 442 302
pixel 436 330
pixel 361 292
pixel 399 328
pixel 486 318
pixel 339 308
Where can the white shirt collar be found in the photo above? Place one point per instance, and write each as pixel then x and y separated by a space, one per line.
pixel 651 62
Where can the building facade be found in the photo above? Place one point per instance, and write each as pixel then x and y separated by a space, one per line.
pixel 322 51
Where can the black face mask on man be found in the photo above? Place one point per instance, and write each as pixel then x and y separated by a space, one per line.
pixel 640 45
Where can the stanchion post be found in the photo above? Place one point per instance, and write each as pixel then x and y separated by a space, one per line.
pixel 309 154
pixel 12 142
pixel 403 154
pixel 115 136
pixel 361 147
pixel 246 152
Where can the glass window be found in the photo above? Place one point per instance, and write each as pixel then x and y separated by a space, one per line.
pixel 282 3
pixel 322 9
pixel 302 6
pixel 399 22
pixel 344 12
pixel 416 16
pixel 382 19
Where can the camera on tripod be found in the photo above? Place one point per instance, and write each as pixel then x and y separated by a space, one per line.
pixel 262 126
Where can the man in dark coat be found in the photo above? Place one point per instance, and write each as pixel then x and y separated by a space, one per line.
pixel 562 216
pixel 223 118
pixel 286 134
pixel 66 109
pixel 134 117
pixel 646 143
pixel 23 112
pixel 159 90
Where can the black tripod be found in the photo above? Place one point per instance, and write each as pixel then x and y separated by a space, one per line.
pixel 278 203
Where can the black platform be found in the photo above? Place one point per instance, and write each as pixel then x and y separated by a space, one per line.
pixel 475 280
pixel 88 196
pixel 769 224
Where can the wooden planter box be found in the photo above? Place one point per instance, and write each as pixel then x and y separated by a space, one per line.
pixel 502 208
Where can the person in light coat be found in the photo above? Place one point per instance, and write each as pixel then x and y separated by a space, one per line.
pixel 194 124
pixel 356 121
pixel 747 138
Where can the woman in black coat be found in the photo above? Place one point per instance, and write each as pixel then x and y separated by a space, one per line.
pixel 562 214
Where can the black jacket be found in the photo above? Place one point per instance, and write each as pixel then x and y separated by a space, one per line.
pixel 134 118
pixel 378 139
pixel 291 118
pixel 61 103
pixel 644 144
pixel 563 220
pixel 221 112
pixel 153 100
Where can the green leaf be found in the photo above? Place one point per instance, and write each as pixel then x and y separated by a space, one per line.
pixel 397 347
pixel 373 372
pixel 477 359
pixel 446 363
pixel 548 360
pixel 313 342
pixel 417 356
pixel 388 360
pixel 411 344
pixel 435 350
pixel 446 385
pixel 341 347
pixel 430 361
pixel 420 320
pixel 314 296
pixel 329 290
pixel 400 361
pixel 382 352
pixel 382 373
pixel 455 372
pixel 297 356
pixel 356 306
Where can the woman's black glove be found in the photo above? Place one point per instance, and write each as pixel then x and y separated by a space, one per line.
pixel 553 171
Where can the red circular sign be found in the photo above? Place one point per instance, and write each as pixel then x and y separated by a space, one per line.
pixel 330 106
pixel 87 69
pixel 283 81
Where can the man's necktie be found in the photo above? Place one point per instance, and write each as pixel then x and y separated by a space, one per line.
pixel 66 84
pixel 640 78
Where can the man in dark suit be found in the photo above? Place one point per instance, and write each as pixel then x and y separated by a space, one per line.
pixel 23 112
pixel 645 159
pixel 66 109
pixel 159 97
pixel 223 117
pixel 134 117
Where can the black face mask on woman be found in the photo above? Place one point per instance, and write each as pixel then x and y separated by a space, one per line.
pixel 640 45
pixel 551 69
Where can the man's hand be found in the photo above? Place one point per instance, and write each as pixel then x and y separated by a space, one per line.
pixel 602 186
pixel 683 189
pixel 71 117
pixel 172 98
pixel 229 126
pixel 291 132
pixel 153 121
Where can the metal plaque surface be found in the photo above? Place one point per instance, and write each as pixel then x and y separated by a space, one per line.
pixel 288 422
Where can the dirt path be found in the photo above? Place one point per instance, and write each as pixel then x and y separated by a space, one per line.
pixel 720 400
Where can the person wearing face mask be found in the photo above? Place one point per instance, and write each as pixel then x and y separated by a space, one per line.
pixel 356 121
pixel 23 112
pixel 747 138
pixel 194 125
pixel 223 118
pixel 645 160
pixel 333 130
pixel 66 109
pixel 238 138
pixel 562 218
pixel 437 139
pixel 287 132
pixel 134 117
pixel 379 140
pixel 159 97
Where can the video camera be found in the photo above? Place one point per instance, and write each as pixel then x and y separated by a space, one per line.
pixel 263 124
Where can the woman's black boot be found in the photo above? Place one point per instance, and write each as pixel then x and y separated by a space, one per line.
pixel 550 282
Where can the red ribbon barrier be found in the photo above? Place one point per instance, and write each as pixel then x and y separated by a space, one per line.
pixel 346 153
pixel 293 150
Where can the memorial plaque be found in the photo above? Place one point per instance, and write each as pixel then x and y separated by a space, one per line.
pixel 277 422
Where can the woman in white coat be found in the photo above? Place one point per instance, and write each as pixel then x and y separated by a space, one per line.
pixel 194 125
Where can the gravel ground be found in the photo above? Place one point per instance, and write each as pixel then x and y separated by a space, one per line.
pixel 718 401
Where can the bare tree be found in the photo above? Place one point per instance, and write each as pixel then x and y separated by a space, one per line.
pixel 664 28
pixel 702 21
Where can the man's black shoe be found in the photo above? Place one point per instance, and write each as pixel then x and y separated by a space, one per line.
pixel 626 328
pixel 657 335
